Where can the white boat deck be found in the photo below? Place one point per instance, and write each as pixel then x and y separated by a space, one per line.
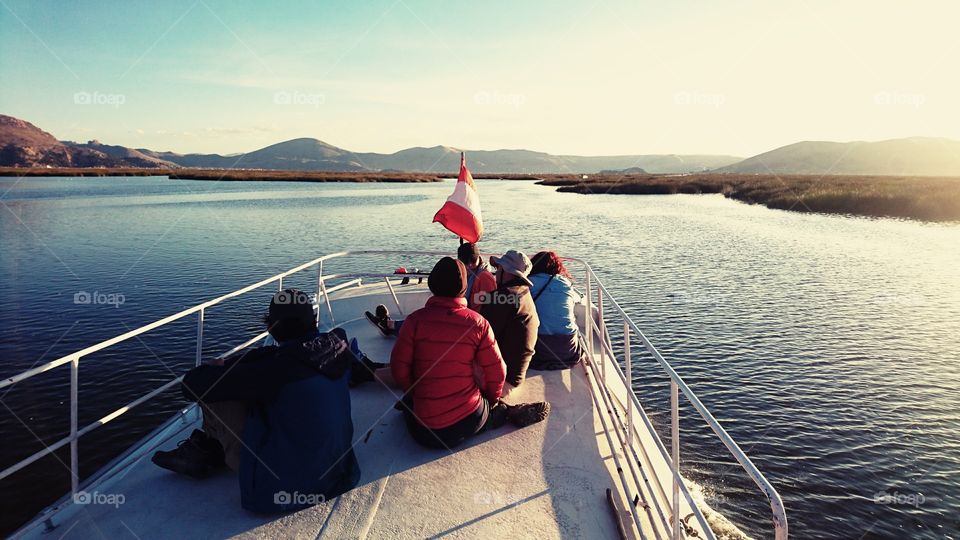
pixel 545 481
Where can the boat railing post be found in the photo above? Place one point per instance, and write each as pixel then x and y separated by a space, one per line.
pixel 629 366
pixel 393 293
pixel 280 284
pixel 326 300
pixel 588 318
pixel 199 352
pixel 319 290
pixel 603 335
pixel 675 462
pixel 74 407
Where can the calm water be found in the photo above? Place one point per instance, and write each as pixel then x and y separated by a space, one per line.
pixel 828 346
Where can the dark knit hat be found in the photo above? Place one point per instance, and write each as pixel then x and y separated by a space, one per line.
pixel 448 278
pixel 291 304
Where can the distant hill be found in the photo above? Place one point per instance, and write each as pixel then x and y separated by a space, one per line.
pixel 23 144
pixel 128 156
pixel 628 170
pixel 298 154
pixel 911 156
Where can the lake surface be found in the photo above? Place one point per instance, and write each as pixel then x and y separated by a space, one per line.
pixel 828 346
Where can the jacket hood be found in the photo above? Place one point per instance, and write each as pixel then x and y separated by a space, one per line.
pixel 325 352
pixel 446 301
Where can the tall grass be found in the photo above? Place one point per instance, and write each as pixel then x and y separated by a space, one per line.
pixel 921 198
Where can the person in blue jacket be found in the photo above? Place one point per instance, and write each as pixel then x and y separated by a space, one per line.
pixel 277 415
pixel 559 345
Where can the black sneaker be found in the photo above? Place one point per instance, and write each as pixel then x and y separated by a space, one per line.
pixel 380 320
pixel 527 414
pixel 198 456
pixel 363 370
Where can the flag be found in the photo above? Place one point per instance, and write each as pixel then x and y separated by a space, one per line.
pixel 461 213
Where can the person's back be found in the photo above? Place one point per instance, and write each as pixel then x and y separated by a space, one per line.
pixel 435 354
pixel 300 440
pixel 554 298
pixel 480 280
pixel 513 315
pixel 447 363
pixel 279 415
pixel 559 344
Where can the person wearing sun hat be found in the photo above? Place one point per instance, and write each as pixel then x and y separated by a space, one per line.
pixel 448 364
pixel 512 315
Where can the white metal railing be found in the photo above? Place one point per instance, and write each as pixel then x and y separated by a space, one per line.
pixel 635 454
pixel 594 324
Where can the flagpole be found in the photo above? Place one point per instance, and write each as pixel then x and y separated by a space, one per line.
pixel 463 158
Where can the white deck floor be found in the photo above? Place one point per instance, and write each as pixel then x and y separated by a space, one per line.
pixel 548 480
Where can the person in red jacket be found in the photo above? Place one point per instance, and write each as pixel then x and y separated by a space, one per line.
pixel 480 280
pixel 448 364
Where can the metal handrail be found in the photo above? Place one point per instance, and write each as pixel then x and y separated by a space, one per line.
pixel 677 383
pixel 677 386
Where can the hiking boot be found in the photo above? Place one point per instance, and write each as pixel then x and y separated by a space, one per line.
pixel 198 456
pixel 498 416
pixel 525 414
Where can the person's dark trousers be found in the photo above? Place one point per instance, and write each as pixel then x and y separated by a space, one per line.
pixel 449 436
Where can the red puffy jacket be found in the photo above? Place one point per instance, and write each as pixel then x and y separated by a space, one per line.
pixel 447 354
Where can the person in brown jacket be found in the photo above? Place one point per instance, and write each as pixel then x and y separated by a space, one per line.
pixel 512 315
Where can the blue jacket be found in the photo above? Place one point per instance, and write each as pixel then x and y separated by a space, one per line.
pixel 555 304
pixel 298 435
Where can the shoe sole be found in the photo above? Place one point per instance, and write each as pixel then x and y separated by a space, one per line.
pixel 199 472
pixel 528 414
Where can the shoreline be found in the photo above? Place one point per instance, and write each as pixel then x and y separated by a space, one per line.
pixel 258 175
pixel 922 198
pixel 933 199
pixel 226 175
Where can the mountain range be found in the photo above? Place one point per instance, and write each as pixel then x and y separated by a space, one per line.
pixel 913 156
pixel 24 145
pixel 315 155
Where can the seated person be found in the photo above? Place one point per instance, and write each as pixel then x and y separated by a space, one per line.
pixel 448 364
pixel 558 340
pixel 512 315
pixel 278 415
pixel 480 281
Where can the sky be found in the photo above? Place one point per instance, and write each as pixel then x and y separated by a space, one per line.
pixel 566 77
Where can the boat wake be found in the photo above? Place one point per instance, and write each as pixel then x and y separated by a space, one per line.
pixel 723 528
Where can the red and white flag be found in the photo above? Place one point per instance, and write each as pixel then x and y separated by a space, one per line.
pixel 461 213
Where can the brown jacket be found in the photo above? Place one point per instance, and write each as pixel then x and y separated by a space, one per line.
pixel 513 317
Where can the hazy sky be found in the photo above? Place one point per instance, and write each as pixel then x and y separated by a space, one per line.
pixel 580 77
